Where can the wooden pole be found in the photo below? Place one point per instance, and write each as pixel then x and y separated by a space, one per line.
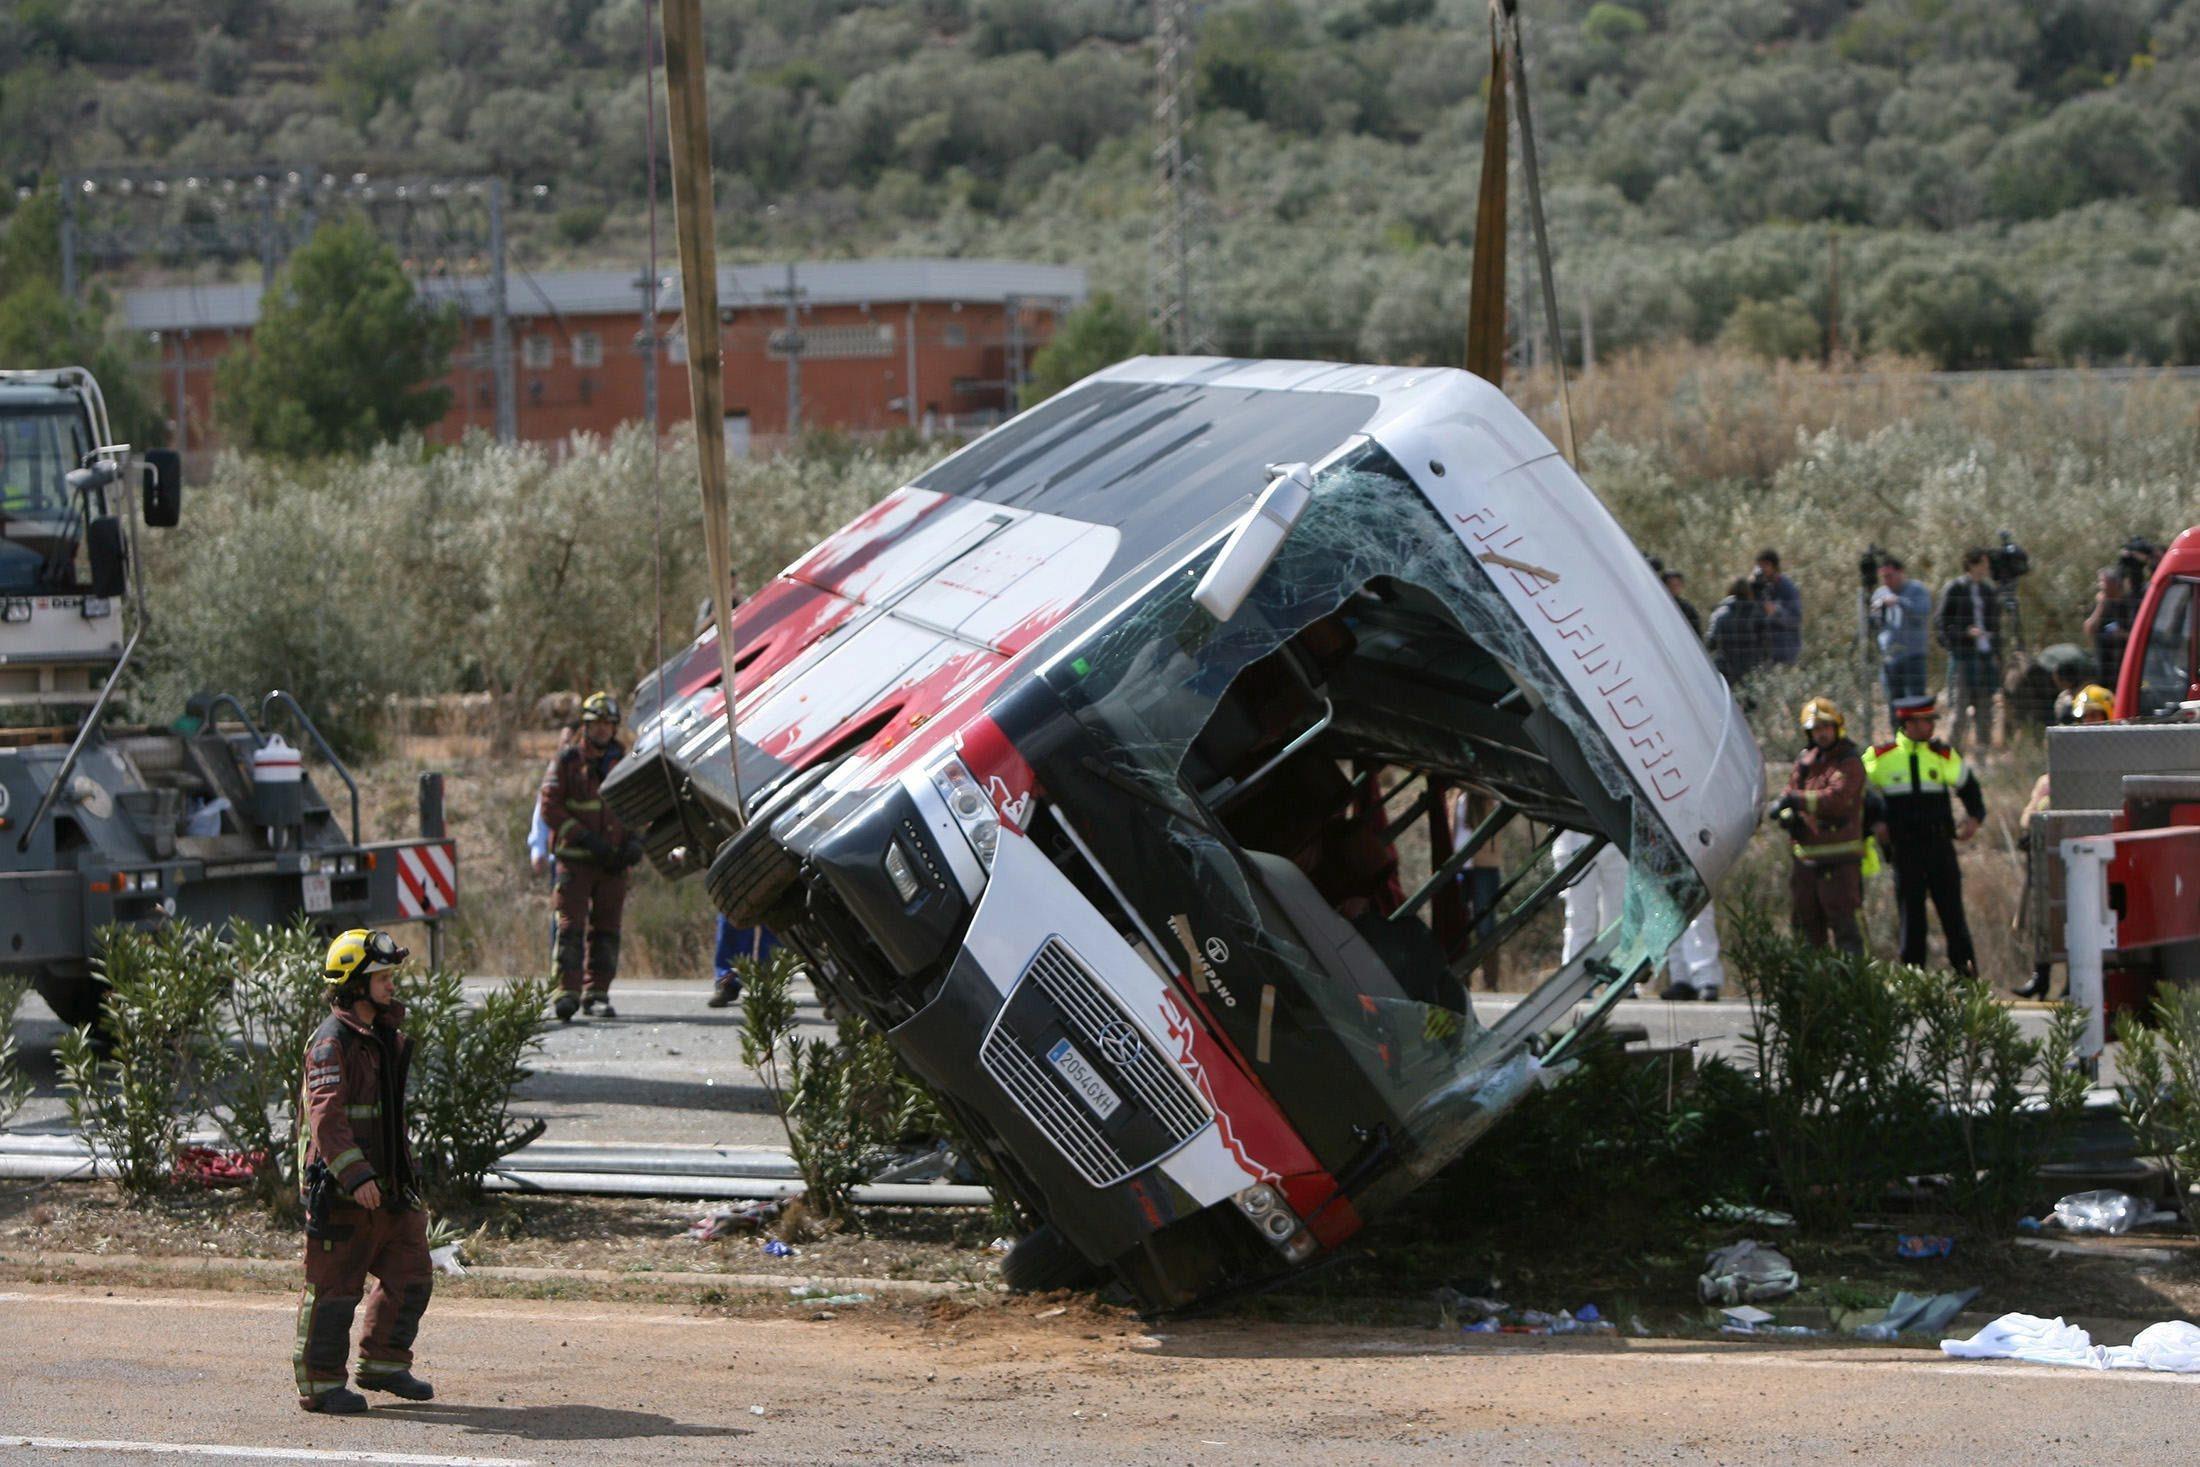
pixel 1486 289
pixel 694 224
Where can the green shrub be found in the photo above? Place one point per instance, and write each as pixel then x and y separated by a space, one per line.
pixel 2160 1082
pixel 15 1086
pixel 468 1061
pixel 1869 1072
pixel 275 999
pixel 138 1100
pixel 843 1102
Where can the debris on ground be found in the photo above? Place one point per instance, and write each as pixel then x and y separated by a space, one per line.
pixel 1923 1245
pixel 209 1166
pixel 445 1259
pixel 812 1294
pixel 1475 1315
pixel 2172 1346
pixel 1747 1272
pixel 1923 1314
pixel 2104 1211
pixel 741 1217
pixel 773 1248
pixel 1736 1213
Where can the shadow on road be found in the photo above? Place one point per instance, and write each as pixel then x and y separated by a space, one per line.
pixel 554 1423
pixel 611 1089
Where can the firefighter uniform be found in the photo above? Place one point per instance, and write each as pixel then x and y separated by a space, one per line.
pixel 1920 780
pixel 594 853
pixel 1825 798
pixel 353 1132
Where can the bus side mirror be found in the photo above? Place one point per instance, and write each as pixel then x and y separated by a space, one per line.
pixel 163 488
pixel 1254 544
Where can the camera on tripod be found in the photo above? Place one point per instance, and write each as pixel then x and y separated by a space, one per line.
pixel 2133 562
pixel 2008 561
pixel 1868 564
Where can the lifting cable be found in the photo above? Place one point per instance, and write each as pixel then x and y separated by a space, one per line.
pixel 650 317
pixel 688 121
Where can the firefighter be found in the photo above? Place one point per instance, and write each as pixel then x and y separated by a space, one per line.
pixel 594 853
pixel 1823 814
pixel 1920 778
pixel 355 1166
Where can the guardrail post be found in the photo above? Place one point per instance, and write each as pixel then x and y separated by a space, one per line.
pixel 432 825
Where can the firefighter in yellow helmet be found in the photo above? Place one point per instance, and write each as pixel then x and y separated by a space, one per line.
pixel 594 853
pixel 355 1165
pixel 1822 812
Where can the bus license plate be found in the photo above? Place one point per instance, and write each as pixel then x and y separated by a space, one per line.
pixel 1101 1100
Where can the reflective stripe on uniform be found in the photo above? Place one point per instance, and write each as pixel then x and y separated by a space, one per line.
pixel 306 1387
pixel 354 1154
pixel 584 805
pixel 379 1367
pixel 1824 852
pixel 363 1112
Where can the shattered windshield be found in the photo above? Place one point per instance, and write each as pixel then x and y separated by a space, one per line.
pixel 1146 688
pixel 38 447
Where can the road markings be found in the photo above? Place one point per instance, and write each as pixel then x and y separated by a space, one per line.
pixel 279 1454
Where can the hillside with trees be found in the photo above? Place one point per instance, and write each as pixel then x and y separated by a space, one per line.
pixel 2009 181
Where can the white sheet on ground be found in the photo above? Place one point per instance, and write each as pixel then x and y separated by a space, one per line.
pixel 2173 1345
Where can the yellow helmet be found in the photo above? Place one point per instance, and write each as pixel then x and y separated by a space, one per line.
pixel 599 705
pixel 2092 698
pixel 1824 710
pixel 358 954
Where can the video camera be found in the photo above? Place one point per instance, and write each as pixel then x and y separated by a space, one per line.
pixel 1868 564
pixel 2133 562
pixel 2008 561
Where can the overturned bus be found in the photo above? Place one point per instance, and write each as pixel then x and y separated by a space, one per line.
pixel 1121 879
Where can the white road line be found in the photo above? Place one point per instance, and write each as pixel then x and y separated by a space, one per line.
pixel 279 1454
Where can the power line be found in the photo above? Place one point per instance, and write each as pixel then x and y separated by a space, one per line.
pixel 1173 301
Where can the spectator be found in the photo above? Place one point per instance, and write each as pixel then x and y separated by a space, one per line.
pixel 1738 634
pixel 730 947
pixel 1674 583
pixel 1901 619
pixel 2115 604
pixel 1970 628
pixel 2070 667
pixel 1782 603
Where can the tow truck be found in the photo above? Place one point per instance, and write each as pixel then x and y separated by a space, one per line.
pixel 2117 858
pixel 209 818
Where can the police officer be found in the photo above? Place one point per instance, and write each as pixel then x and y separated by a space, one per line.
pixel 1920 777
pixel 361 1215
pixel 1823 814
pixel 594 853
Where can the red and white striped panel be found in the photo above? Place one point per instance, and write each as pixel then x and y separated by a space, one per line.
pixel 427 879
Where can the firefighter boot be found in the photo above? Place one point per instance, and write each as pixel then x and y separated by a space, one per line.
pixel 335 1401
pixel 398 1383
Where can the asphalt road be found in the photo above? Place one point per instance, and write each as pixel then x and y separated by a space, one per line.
pixel 124 1376
pixel 668 1069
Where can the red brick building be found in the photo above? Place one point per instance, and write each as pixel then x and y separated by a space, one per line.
pixel 870 345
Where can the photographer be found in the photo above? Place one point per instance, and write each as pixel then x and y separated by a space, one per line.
pixel 2120 589
pixel 1782 603
pixel 1970 628
pixel 1901 619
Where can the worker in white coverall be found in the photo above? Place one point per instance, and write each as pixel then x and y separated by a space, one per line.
pixel 1593 902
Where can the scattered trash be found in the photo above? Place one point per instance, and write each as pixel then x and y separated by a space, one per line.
pixel 2104 1211
pixel 1748 1316
pixel 775 1249
pixel 2172 1346
pixel 742 1217
pixel 1923 1245
pixel 2028 1224
pixel 1923 1314
pixel 1456 1308
pixel 1051 1313
pixel 207 1166
pixel 1735 1212
pixel 1636 1327
pixel 999 1245
pixel 756 1410
pixel 445 1260
pixel 1477 1316
pixel 1747 1272
pixel 1587 1314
